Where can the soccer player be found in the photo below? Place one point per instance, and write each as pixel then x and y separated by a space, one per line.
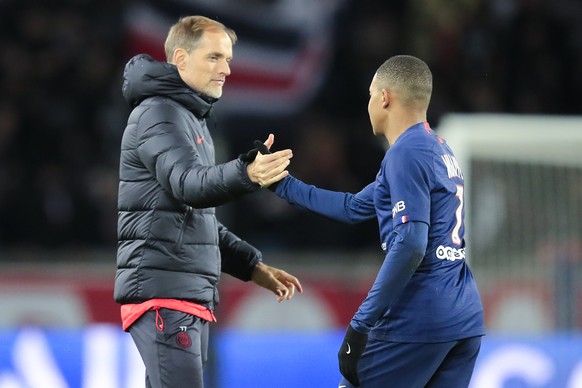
pixel 171 247
pixel 422 321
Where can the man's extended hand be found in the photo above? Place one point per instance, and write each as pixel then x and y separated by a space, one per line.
pixel 350 353
pixel 278 281
pixel 267 169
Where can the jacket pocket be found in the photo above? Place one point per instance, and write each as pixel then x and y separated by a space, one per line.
pixel 180 239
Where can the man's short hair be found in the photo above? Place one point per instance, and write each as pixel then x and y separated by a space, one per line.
pixel 186 33
pixel 410 77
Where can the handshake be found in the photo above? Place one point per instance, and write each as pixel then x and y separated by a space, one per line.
pixel 266 168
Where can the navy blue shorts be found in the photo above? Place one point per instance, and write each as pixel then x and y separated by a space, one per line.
pixel 417 365
pixel 173 346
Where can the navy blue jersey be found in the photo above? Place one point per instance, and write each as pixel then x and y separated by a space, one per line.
pixel 419 181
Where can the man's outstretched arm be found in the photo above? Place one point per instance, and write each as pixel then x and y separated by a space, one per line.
pixel 343 207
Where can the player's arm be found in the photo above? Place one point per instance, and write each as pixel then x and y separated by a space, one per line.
pixel 343 207
pixel 402 260
pixel 408 177
pixel 409 183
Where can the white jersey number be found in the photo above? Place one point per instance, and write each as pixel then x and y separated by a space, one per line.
pixel 459 216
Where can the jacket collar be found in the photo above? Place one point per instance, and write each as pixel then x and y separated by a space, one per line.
pixel 145 77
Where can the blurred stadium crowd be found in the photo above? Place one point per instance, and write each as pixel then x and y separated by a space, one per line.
pixel 62 115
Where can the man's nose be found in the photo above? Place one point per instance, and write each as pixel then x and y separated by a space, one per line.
pixel 225 68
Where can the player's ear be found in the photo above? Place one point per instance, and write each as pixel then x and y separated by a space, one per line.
pixel 386 98
pixel 180 58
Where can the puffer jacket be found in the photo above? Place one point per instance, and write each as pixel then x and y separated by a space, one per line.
pixel 170 244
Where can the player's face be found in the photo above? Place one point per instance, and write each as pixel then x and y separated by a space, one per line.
pixel 207 66
pixel 376 108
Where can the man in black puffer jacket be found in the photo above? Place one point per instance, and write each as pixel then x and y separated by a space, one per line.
pixel 171 247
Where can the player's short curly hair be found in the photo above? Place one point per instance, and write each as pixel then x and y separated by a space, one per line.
pixel 186 33
pixel 409 76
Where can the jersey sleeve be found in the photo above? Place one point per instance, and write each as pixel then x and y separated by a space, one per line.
pixel 408 176
pixel 343 207
pixel 399 265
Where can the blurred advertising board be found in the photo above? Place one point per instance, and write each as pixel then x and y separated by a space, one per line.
pixel 104 356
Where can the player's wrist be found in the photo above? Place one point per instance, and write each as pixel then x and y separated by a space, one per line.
pixel 356 337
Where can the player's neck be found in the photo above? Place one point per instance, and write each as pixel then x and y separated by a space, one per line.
pixel 401 122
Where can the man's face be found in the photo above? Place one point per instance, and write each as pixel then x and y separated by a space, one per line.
pixel 206 67
pixel 376 108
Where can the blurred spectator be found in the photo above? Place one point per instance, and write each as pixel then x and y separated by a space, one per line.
pixel 60 59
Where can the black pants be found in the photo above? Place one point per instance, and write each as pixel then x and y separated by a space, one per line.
pixel 173 346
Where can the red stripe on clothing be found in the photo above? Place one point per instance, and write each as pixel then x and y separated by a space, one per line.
pixel 131 312
pixel 427 127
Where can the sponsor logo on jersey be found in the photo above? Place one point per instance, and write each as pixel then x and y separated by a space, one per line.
pixel 398 207
pixel 453 169
pixel 450 253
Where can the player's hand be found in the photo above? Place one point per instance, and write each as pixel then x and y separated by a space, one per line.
pixel 350 353
pixel 263 149
pixel 282 284
pixel 267 169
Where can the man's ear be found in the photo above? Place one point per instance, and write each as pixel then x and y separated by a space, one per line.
pixel 386 97
pixel 180 58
